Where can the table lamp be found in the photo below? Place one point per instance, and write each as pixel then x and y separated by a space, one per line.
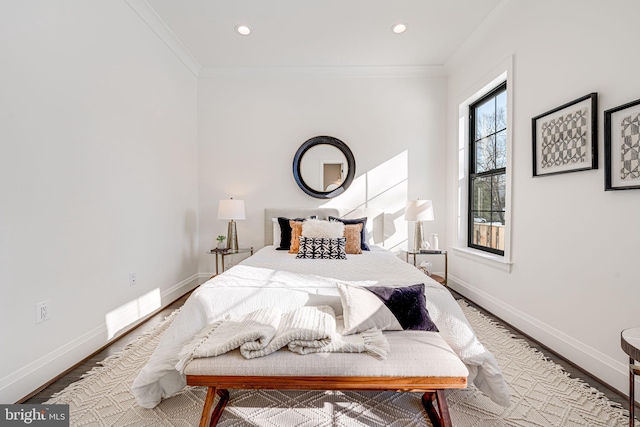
pixel 232 210
pixel 418 211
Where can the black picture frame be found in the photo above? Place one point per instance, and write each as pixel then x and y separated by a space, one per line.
pixel 622 147
pixel 565 139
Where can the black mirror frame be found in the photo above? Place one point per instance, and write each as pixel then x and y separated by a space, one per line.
pixel 327 140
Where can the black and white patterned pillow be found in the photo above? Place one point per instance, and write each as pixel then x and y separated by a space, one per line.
pixel 322 248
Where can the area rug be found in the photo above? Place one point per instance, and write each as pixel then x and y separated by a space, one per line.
pixel 542 395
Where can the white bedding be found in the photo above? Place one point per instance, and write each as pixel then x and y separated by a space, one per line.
pixel 255 283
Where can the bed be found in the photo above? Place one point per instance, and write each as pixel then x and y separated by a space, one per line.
pixel 428 362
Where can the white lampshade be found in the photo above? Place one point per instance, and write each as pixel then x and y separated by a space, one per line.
pixel 231 209
pixel 419 210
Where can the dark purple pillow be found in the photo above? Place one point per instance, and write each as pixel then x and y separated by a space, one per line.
pixel 363 233
pixel 408 304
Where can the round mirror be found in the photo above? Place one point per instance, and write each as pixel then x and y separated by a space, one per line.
pixel 324 167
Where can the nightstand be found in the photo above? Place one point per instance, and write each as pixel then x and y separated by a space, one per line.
pixel 222 253
pixel 437 278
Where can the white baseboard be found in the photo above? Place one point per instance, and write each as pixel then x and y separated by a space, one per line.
pixel 25 380
pixel 599 365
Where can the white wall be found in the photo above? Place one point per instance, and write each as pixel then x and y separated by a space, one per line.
pixel 98 177
pixel 251 124
pixel 573 284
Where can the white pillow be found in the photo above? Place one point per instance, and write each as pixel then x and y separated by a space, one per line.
pixel 323 229
pixel 363 310
pixel 276 232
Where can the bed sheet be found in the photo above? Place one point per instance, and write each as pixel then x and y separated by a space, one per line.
pixel 272 278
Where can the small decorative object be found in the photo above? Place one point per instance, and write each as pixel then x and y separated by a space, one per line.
pixel 435 243
pixel 565 139
pixel 622 147
pixel 418 211
pixel 231 209
pixel 220 240
pixel 427 267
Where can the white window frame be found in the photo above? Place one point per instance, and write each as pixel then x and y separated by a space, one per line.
pixel 499 75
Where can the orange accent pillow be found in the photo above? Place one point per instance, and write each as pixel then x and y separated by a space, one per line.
pixel 353 232
pixel 296 232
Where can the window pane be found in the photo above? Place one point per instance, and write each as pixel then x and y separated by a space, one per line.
pixel 475 234
pixel 501 111
pixel 501 149
pixel 481 217
pixel 497 218
pixel 498 191
pixel 485 119
pixel 497 231
pixel 486 154
pixel 482 229
pixel 481 194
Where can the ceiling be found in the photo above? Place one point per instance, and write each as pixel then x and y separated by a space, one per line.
pixel 322 33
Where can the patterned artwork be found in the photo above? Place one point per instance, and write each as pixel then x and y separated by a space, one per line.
pixel 564 139
pixel 630 147
pixel 622 147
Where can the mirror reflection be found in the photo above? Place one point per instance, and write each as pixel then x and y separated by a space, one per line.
pixel 323 168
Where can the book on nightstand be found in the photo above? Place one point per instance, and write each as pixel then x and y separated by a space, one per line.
pixel 430 251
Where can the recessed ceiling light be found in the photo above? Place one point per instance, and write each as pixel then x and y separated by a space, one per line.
pixel 243 30
pixel 399 28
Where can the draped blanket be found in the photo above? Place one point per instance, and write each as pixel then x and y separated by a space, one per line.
pixel 272 278
pixel 303 330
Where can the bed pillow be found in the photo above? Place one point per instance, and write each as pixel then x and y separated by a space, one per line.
pixel 276 232
pixel 326 229
pixel 285 231
pixel 321 248
pixel 384 308
pixel 363 233
pixel 296 233
pixel 352 233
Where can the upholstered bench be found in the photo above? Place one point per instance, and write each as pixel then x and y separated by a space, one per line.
pixel 418 362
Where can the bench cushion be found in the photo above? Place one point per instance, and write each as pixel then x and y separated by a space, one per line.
pixel 413 354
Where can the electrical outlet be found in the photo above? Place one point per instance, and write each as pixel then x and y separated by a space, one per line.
pixel 42 311
pixel 132 278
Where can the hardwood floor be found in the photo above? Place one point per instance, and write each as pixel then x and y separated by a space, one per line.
pixel 573 370
pixel 76 373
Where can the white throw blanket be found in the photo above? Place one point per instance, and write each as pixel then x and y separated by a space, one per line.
pixel 304 330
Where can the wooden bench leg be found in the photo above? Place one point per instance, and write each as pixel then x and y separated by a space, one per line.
pixel 210 415
pixel 441 417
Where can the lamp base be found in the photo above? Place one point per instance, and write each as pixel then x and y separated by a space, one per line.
pixel 232 236
pixel 418 237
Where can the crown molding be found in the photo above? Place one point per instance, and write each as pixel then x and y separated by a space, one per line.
pixel 150 17
pixel 490 20
pixel 346 71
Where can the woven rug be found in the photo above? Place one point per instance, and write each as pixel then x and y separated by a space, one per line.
pixel 542 395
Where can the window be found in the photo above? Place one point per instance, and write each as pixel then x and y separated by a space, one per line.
pixel 488 171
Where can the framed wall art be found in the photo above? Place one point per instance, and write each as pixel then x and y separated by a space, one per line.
pixel 565 139
pixel 622 147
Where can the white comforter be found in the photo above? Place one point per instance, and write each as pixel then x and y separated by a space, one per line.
pixel 277 279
